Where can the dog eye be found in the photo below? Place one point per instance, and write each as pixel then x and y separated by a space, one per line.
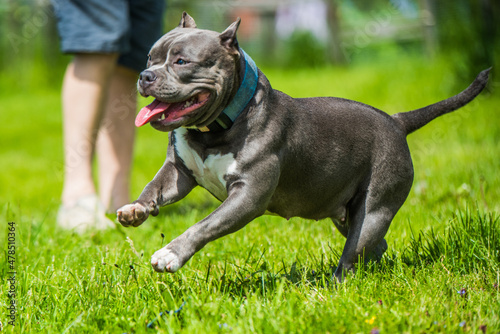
pixel 181 62
pixel 149 57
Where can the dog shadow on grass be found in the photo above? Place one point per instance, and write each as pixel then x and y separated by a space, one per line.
pixel 450 249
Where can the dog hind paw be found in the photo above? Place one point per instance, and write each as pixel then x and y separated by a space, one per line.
pixel 379 251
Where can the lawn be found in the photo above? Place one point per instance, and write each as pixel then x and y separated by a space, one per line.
pixel 440 274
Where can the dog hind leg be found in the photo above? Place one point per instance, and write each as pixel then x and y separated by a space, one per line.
pixel 365 237
pixel 370 214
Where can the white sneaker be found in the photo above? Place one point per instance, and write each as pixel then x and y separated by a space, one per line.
pixel 88 213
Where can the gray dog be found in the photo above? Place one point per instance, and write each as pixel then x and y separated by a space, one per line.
pixel 260 151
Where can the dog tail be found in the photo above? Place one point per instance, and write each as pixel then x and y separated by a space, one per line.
pixel 415 119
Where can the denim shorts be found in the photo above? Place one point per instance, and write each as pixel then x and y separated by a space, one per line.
pixel 126 27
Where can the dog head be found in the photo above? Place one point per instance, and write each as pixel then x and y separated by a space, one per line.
pixel 192 74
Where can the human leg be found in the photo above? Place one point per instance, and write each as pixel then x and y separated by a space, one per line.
pixel 116 138
pixel 84 93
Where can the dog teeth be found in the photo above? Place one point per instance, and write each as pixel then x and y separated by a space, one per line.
pixel 189 103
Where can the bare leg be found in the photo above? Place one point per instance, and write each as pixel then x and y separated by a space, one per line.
pixel 83 97
pixel 116 139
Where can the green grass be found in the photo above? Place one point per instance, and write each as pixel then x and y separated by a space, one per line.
pixel 440 274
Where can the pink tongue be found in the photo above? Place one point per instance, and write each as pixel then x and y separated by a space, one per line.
pixel 150 111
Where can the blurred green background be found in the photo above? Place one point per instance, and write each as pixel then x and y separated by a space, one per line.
pixel 286 34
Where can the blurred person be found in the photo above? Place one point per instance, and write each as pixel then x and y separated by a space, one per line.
pixel 110 41
pixel 308 15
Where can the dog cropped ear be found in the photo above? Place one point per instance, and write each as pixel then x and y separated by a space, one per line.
pixel 187 21
pixel 228 37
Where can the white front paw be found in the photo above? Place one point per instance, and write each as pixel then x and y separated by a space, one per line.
pixel 165 260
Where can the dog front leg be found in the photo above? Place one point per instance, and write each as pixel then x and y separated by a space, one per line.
pixel 170 185
pixel 243 204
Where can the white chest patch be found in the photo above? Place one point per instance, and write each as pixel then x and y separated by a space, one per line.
pixel 209 173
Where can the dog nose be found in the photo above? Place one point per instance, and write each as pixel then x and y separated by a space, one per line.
pixel 146 78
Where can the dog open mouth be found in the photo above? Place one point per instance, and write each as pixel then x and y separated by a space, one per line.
pixel 169 112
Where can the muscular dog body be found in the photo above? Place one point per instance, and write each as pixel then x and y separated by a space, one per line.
pixel 258 150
